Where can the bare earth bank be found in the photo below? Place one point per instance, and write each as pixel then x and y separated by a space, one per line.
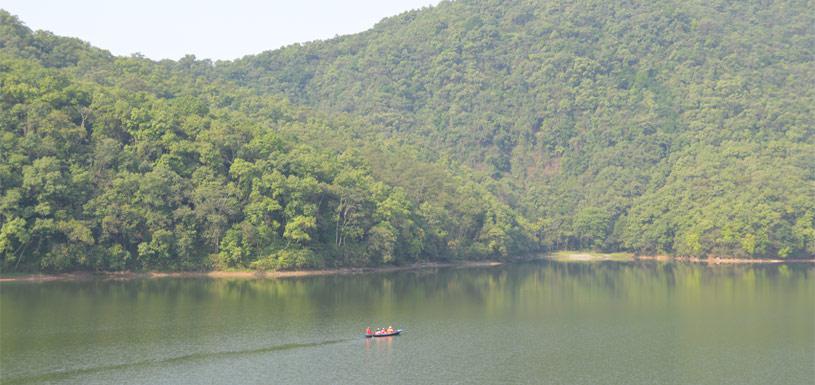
pixel 125 275
pixel 563 256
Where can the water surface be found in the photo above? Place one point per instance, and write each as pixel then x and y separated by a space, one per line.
pixel 541 322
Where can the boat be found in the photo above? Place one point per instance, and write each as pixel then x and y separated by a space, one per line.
pixel 395 333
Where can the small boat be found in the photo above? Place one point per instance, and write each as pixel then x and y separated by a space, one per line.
pixel 395 333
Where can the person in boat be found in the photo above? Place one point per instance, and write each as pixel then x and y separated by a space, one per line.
pixel 390 329
pixel 368 331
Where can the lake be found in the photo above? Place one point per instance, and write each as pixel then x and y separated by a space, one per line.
pixel 537 322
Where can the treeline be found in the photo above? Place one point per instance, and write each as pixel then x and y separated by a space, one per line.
pixel 114 163
pixel 657 127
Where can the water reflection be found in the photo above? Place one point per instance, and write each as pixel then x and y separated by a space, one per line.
pixel 379 346
pixel 673 322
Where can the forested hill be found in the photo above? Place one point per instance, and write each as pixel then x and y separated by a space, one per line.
pixel 465 130
pixel 112 163
pixel 677 127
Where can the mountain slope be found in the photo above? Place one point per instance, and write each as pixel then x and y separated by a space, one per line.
pixel 114 163
pixel 666 126
pixel 466 130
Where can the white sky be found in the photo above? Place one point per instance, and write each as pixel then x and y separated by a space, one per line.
pixel 229 29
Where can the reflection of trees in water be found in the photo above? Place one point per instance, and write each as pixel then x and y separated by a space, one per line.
pixel 648 280
pixel 492 289
pixel 612 277
pixel 185 308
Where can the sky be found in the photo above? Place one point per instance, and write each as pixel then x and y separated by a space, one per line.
pixel 228 29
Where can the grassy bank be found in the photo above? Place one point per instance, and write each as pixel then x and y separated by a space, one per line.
pixel 588 256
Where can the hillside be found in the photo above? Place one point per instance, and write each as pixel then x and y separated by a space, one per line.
pixel 468 130
pixel 667 126
pixel 114 163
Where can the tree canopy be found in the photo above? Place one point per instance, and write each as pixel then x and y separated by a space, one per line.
pixel 466 130
pixel 656 127
pixel 123 163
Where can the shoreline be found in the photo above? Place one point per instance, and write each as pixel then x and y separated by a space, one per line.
pixel 630 257
pixel 244 274
pixel 587 257
pixel 719 260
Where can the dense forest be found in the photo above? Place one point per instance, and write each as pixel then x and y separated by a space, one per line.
pixel 123 163
pixel 656 127
pixel 468 130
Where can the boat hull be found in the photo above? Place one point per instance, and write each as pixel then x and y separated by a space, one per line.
pixel 396 333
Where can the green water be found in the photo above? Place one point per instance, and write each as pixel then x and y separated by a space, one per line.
pixel 522 323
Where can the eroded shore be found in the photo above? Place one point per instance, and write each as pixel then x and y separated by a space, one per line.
pixel 250 274
pixel 246 274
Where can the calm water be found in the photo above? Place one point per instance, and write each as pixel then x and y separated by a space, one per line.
pixel 521 323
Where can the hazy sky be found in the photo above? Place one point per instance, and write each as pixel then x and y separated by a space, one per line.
pixel 226 29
